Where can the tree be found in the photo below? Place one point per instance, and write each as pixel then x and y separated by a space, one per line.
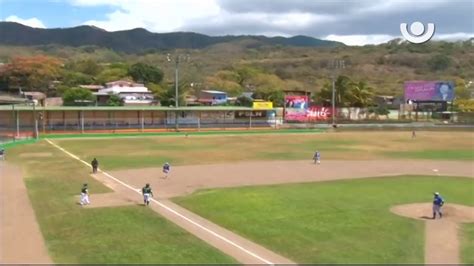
pixel 87 67
pixel 112 74
pixel 464 105
pixel 462 90
pixel 439 62
pixel 229 86
pixel 343 85
pixel 31 73
pixel 360 95
pixel 244 101
pixel 77 97
pixel 141 72
pixel 73 79
pixel 114 100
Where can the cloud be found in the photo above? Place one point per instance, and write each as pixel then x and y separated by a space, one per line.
pixel 157 16
pixel 350 21
pixel 360 39
pixel 32 22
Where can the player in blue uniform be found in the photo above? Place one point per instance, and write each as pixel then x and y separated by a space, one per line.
pixel 166 169
pixel 317 157
pixel 438 202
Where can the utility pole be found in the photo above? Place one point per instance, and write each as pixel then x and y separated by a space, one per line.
pixel 337 64
pixel 36 120
pixel 177 60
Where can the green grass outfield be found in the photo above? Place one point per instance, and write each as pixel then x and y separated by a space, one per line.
pixel 139 152
pixel 333 222
pixel 132 234
pixel 467 244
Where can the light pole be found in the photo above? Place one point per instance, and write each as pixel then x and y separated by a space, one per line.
pixel 337 64
pixel 178 58
pixel 36 119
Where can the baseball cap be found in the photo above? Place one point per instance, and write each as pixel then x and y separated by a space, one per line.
pixel 436 193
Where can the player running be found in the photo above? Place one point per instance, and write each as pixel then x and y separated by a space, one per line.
pixel 84 195
pixel 147 194
pixel 166 169
pixel 317 157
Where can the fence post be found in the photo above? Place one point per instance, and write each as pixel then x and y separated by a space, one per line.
pixel 13 119
pixel 250 120
pixel 17 124
pixel 224 120
pixel 82 122
pixel 142 120
pixel 199 123
pixel 275 117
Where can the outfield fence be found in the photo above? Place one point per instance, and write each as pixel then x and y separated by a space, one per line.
pixel 26 122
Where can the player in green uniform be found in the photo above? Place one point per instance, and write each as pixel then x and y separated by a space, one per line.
pixel 147 194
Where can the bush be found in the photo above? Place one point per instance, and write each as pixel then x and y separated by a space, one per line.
pixel 78 97
pixel 244 101
pixel 439 62
pixel 114 100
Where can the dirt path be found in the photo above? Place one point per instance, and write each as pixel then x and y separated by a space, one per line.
pixel 186 179
pixel 441 235
pixel 21 239
pixel 106 200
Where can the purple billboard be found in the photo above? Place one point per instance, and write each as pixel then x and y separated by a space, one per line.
pixel 429 91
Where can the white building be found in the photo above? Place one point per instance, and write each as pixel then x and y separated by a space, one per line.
pixel 131 93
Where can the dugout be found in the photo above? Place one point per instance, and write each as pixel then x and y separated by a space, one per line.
pixel 15 119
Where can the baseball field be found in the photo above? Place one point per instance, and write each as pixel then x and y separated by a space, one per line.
pixel 238 198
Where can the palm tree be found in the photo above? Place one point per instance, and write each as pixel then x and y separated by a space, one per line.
pixel 342 85
pixel 360 95
pixel 343 88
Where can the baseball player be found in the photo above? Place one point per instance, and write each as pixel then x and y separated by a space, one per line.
pixel 84 195
pixel 317 157
pixel 438 202
pixel 147 194
pixel 413 134
pixel 166 169
pixel 95 165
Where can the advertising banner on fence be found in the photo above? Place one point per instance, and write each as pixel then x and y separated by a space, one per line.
pixel 262 105
pixel 429 91
pixel 320 113
pixel 246 114
pixel 296 107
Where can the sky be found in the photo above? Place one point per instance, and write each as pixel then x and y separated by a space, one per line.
pixel 353 22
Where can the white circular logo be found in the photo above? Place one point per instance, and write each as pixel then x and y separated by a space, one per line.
pixel 417 33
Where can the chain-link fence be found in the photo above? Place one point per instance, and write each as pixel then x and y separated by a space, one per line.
pixel 15 125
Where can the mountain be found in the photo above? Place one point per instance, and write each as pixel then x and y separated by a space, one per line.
pixel 135 40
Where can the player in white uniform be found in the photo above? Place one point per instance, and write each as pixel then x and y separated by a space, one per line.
pixel 166 169
pixel 85 195
pixel 317 157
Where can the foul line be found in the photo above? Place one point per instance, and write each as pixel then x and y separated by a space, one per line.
pixel 166 207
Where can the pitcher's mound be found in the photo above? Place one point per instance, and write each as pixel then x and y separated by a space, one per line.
pixel 423 211
pixel 106 200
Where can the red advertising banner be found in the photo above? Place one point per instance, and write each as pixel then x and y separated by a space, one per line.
pixel 316 113
pixel 295 108
pixel 312 114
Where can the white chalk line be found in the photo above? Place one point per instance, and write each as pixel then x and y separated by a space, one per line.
pixel 166 207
